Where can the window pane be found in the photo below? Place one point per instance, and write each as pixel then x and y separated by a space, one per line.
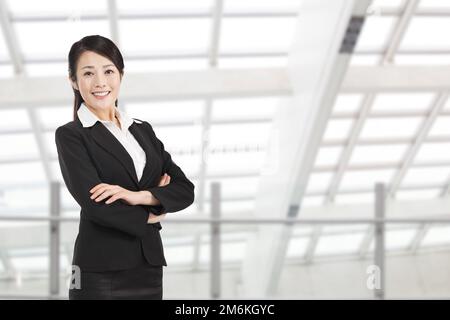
pixel 143 66
pixel 420 176
pixel 55 6
pixel 432 152
pixel 391 127
pixel 328 156
pixel 418 194
pixel 166 111
pixel 427 32
pixel 244 108
pixel 347 103
pixel 441 126
pixel 262 34
pixel 252 62
pixel 319 182
pixel 262 4
pixel 139 36
pixel 14 119
pixel 339 244
pixel 145 5
pixel 357 198
pixel 66 34
pixel 22 145
pixel 375 33
pixel 402 102
pixel 365 179
pixel 338 129
pixel 380 154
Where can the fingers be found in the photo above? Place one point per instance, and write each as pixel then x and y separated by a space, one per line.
pixel 104 191
pixel 98 186
pixel 165 180
pixel 114 198
pixel 154 218
pixel 105 195
pixel 162 181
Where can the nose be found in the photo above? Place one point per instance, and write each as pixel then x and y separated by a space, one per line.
pixel 100 80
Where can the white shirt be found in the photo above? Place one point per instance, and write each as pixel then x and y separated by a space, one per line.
pixel 128 141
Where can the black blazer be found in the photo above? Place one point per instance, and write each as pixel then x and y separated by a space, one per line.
pixel 114 236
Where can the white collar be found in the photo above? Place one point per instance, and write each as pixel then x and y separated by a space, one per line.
pixel 88 118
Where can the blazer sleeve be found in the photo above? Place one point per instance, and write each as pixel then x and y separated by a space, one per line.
pixel 80 176
pixel 179 193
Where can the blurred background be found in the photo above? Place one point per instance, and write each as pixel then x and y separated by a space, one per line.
pixel 316 132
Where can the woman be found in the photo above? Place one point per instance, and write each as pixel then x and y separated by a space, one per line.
pixel 121 176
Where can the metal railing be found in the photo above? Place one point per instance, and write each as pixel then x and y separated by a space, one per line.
pixel 216 220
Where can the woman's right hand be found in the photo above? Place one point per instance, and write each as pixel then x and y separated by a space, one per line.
pixel 153 218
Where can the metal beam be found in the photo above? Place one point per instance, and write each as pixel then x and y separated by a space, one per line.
pixel 407 163
pixel 386 141
pixel 113 18
pixel 405 211
pixel 325 143
pixel 197 246
pixel 382 165
pixel 13 239
pixel 395 79
pixel 19 70
pixel 174 85
pixel 344 160
pixel 165 55
pixel 387 114
pixel 206 13
pixel 207 114
pixel 11 38
pixel 341 169
pixel 55 232
pixel 161 14
pixel 380 213
pixel 422 133
pixel 421 232
pixel 395 39
pixel 6 262
pixel 399 31
pixel 317 66
pixel 353 191
pixel 196 54
pixel 436 110
pixel 215 243
pixel 44 152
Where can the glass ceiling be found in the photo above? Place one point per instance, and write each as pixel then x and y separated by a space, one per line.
pixel 253 34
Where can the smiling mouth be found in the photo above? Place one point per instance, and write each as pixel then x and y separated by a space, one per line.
pixel 101 94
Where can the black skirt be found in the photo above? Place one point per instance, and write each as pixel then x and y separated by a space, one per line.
pixel 140 283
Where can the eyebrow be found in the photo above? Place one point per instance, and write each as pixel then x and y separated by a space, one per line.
pixel 92 67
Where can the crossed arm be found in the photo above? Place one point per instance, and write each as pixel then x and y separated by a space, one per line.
pixel 145 197
pixel 173 193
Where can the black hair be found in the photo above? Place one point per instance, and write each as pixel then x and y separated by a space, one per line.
pixel 98 44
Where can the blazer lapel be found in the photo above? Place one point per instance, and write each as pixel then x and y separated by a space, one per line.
pixel 145 145
pixel 107 140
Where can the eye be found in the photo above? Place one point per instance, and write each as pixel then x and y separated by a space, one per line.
pixel 109 71
pixel 88 73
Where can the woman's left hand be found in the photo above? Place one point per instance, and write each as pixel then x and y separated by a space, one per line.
pixel 115 192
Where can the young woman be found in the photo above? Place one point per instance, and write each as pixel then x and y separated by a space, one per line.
pixel 121 176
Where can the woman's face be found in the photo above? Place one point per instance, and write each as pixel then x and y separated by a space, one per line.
pixel 98 80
